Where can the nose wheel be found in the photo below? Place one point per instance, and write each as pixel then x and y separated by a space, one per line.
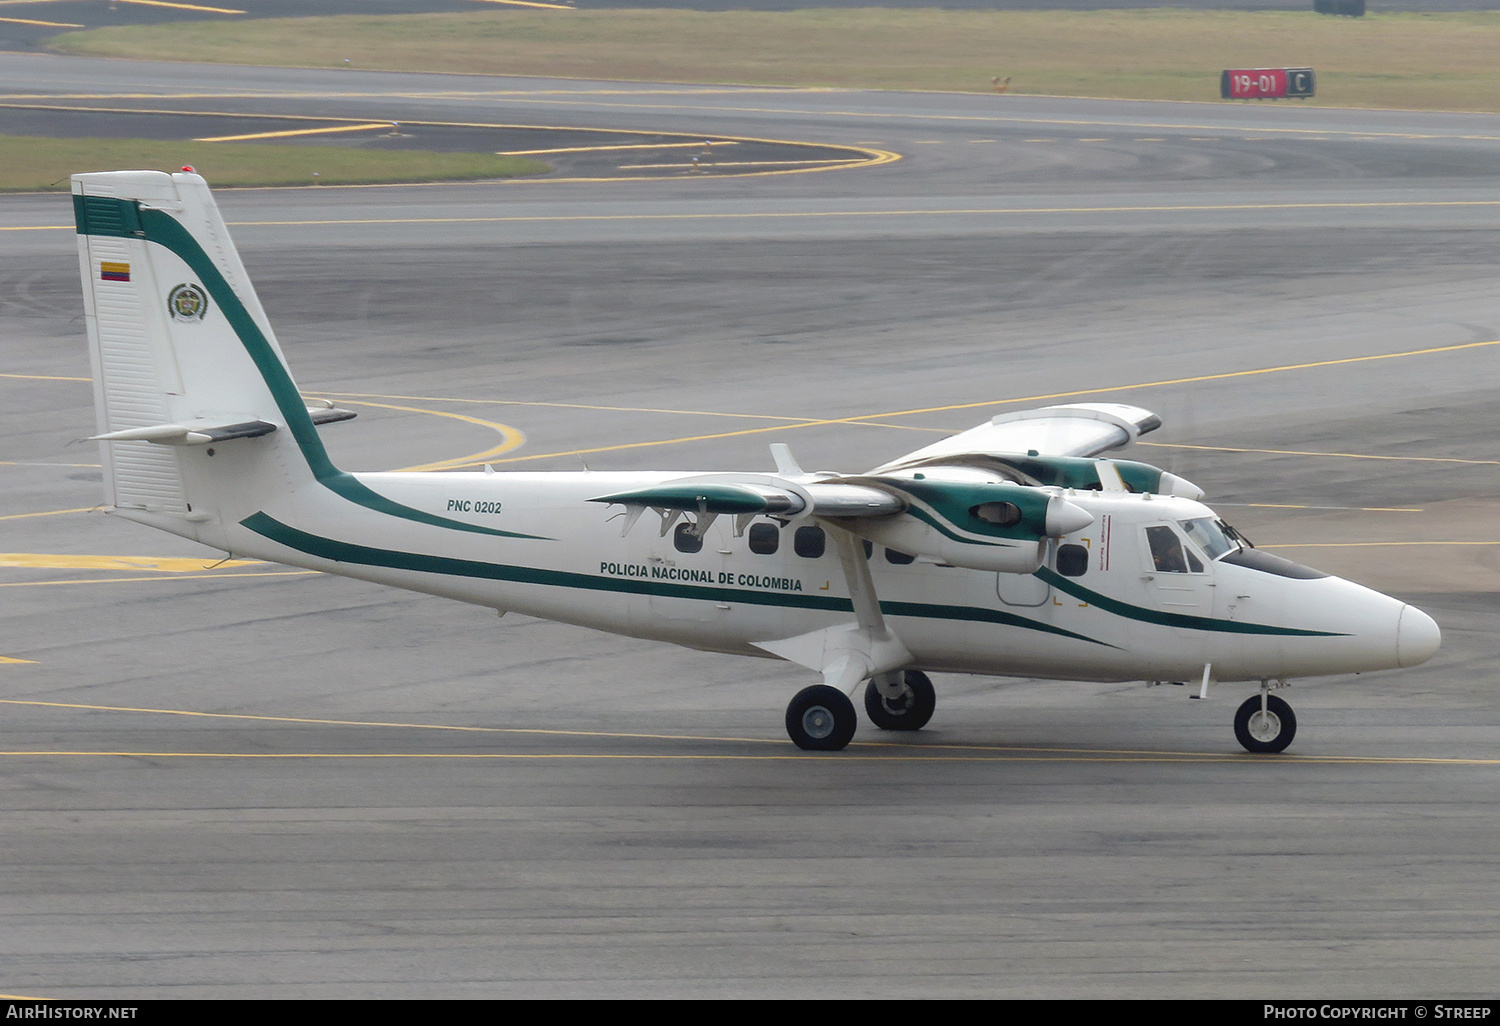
pixel 820 719
pixel 1265 724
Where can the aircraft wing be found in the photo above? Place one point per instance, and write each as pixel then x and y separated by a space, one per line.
pixel 1078 429
pixel 1072 433
pixel 971 500
pixel 756 494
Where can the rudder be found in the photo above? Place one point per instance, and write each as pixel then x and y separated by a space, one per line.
pixel 186 365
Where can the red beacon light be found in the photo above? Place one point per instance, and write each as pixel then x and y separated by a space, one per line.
pixel 189 169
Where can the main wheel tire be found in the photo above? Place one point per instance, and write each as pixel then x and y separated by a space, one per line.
pixel 1265 731
pixel 821 719
pixel 908 711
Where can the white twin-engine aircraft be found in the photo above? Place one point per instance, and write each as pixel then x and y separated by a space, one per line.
pixel 1009 549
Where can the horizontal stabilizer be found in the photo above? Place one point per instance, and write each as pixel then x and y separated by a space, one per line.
pixel 329 414
pixel 193 432
pixel 202 432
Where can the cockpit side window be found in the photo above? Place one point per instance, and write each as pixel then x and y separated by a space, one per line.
pixel 1169 554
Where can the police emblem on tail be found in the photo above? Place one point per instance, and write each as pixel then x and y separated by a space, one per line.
pixel 187 303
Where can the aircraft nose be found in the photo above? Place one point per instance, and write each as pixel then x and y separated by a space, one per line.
pixel 1417 637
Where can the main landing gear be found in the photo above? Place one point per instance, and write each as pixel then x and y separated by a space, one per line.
pixel 1265 724
pixel 906 704
pixel 822 719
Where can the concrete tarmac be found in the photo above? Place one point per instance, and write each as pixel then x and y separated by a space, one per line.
pixel 246 781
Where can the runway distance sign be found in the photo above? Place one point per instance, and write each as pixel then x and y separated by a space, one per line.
pixel 1267 83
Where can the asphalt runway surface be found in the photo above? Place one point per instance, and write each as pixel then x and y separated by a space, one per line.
pixel 244 781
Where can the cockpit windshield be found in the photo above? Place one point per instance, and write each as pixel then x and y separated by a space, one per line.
pixel 1208 535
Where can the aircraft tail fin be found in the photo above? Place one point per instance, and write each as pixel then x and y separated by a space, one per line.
pixel 198 416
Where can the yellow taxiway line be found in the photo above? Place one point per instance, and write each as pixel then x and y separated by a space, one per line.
pixel 622 146
pixel 183 7
pixel 44 24
pixel 739 163
pixel 159 577
pixel 511 438
pixel 290 132
pixel 44 377
pixel 49 512
pixel 529 3
pixel 142 3
pixel 160 564
pixel 349 396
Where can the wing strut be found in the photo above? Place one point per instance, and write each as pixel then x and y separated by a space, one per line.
pixel 851 653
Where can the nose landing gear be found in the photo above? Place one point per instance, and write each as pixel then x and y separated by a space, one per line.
pixel 1265 724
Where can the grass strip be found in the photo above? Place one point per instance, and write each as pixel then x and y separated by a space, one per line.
pixel 1414 61
pixel 35 163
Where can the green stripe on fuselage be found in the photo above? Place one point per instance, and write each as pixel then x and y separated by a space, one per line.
pixel 1164 619
pixel 363 555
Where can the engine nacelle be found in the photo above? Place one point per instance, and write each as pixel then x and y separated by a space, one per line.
pixel 978 525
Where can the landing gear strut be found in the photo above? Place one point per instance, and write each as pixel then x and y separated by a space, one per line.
pixel 820 719
pixel 1265 724
pixel 904 705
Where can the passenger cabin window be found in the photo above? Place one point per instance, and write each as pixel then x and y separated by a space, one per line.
pixel 764 539
pixel 809 542
pixel 685 540
pixel 899 558
pixel 1072 560
pixel 1169 554
pixel 869 547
